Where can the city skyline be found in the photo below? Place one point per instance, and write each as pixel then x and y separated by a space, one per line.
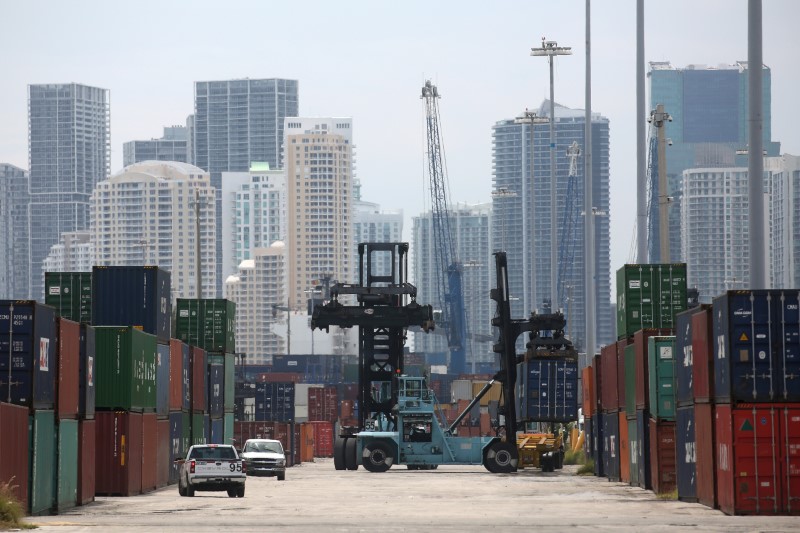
pixel 510 80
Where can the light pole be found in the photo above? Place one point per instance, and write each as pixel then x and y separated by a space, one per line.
pixel 528 117
pixel 551 49
pixel 658 118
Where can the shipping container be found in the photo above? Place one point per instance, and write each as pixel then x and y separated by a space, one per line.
pixel 620 367
pixel 597 377
pixel 87 436
pixel 684 361
pixel 685 453
pixel 306 442
pixel 643 432
pixel 703 355
pixel 87 372
pixel 323 404
pixel 323 438
pixel 588 392
pixel 640 342
pixel 186 439
pixel 598 444
pixel 661 377
pixel 163 462
pixel 588 440
pixel 611 445
pixel 33 361
pixel 199 433
pixel 279 377
pixel 229 387
pixel 216 381
pixel 207 323
pixel 350 373
pixel 493 395
pixel 138 296
pixel 649 296
pixel 14 450
pixel 179 383
pixel 68 381
pixel 633 450
pixel 790 458
pixel 548 389
pixel 118 458
pixel 199 388
pixel 788 346
pixel 149 464
pixel 274 401
pixel 705 441
pixel 316 368
pixel 41 483
pixel 126 369
pixel 177 443
pixel 67 463
pixel 70 293
pixel 217 430
pixel 629 364
pixel 609 390
pixel 227 430
pixel 162 379
pixel 662 456
pixel 461 389
pixel 624 449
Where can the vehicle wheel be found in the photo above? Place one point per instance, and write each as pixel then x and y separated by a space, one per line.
pixel 559 459
pixel 410 467
pixel 181 490
pixel 231 493
pixel 190 492
pixel 240 492
pixel 281 477
pixel 338 453
pixel 547 462
pixel 501 458
pixel 350 453
pixel 377 457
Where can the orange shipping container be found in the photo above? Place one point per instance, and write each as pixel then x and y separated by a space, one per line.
pixel 587 387
pixel 624 449
pixel 306 443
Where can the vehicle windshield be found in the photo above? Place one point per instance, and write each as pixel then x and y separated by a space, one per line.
pixel 271 447
pixel 214 453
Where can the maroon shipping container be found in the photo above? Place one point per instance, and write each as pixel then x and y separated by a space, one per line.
pixel 323 404
pixel 621 372
pixel 280 377
pixel 349 391
pixel 149 449
pixel 175 375
pixel 199 380
pixel 790 459
pixel 703 356
pixel 609 393
pixel 87 436
pixel 346 409
pixel 118 457
pixel 323 438
pixel 68 383
pixel 662 456
pixel 162 453
pixel 640 349
pixel 14 448
pixel 706 472
pixel 597 363
pixel 297 442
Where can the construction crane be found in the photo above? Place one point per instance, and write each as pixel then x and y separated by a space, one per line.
pixel 448 269
pixel 569 222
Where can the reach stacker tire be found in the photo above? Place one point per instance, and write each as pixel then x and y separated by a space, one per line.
pixel 338 453
pixel 500 458
pixel 377 457
pixel 351 453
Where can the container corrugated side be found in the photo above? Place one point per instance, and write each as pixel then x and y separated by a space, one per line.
pixel 87 435
pixel 208 323
pixel 598 444
pixel 633 451
pixel 611 445
pixel 14 449
pixel 149 464
pixel 67 457
pixel 70 293
pixel 227 430
pixel 42 490
pixel 705 441
pixel 629 364
pixel 216 382
pixel 68 383
pixel 588 393
pixel 684 360
pixel 662 456
pixel 609 390
pixel 199 432
pixel 216 430
pixel 118 461
pixel 176 370
pixel 176 444
pixel 686 455
pixel 624 449
pixel 620 369
pixel 643 432
pixel 162 453
pixel 649 296
pixel 199 388
pixel 661 377
pixel 87 363
pixel 162 379
pixel 126 369
pixel 703 356
pixel 230 382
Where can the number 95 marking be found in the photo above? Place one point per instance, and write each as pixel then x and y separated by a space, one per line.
pixel 236 467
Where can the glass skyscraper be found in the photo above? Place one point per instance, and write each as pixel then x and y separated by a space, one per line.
pixel 14 260
pixel 68 131
pixel 236 123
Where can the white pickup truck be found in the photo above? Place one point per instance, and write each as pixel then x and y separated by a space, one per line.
pixel 212 467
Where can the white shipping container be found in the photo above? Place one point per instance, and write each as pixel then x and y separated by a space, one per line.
pixel 438 369
pixel 461 389
pixel 301 393
pixel 300 413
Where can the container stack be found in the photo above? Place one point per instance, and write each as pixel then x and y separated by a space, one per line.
pixel 67 406
pixel 180 404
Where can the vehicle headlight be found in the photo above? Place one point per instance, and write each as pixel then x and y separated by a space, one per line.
pixel 281 462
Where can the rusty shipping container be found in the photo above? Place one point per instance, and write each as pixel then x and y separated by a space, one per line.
pixel 14 449
pixel 307 436
pixel 118 461
pixel 149 452
pixel 705 440
pixel 199 387
pixel 323 438
pixel 86 457
pixel 587 386
pixel 703 355
pixel 609 391
pixel 662 456
pixel 163 465
pixel 68 382
pixel 640 341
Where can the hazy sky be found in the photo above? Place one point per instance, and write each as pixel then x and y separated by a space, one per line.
pixel 368 60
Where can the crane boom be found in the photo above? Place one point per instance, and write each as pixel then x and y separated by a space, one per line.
pixel 447 267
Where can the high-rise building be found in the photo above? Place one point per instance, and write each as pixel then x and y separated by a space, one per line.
pixel 371 224
pixel 171 147
pixel 148 214
pixel 319 181
pixel 68 131
pixel 784 213
pixel 471 227
pixel 74 253
pixel 253 213
pixel 709 109
pixel 237 122
pixel 521 216
pixel 14 259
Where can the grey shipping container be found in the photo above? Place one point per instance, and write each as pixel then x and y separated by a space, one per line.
pixel 70 293
pixel 133 296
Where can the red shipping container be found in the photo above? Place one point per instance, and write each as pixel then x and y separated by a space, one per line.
pixel 162 453
pixel 149 445
pixel 609 393
pixel 199 380
pixel 624 449
pixel 346 409
pixel 306 442
pixel 323 403
pixel 790 459
pixel 662 456
pixel 14 448
pixel 640 349
pixel 620 366
pixel 68 383
pixel 587 388
pixel 703 356
pixel 87 436
pixel 175 375
pixel 280 377
pixel 323 438
pixel 704 454
pixel 486 424
pixel 349 391
pixel 118 457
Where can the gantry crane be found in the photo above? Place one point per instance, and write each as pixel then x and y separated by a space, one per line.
pixel 448 269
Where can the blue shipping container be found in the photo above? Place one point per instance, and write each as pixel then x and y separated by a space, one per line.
pixel 788 350
pixel 176 444
pixel 685 457
pixel 684 361
pixel 137 296
pixel 186 388
pixel 216 384
pixel 643 456
pixel 162 380
pixel 33 358
pixel 611 445
pixel 549 389
pixel 86 369
pixel 274 402
pixel 597 445
pixel 217 431
pixel 314 368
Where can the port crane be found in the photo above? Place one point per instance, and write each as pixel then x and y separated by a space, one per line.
pixel 448 269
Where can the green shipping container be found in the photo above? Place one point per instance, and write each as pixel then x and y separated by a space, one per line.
pixel 186 437
pixel 633 451
pixel 227 430
pixel 70 293
pixel 630 380
pixel 43 457
pixel 198 429
pixel 230 382
pixel 649 296
pixel 661 367
pixel 350 373
pixel 207 323
pixel 125 369
pixel 67 454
